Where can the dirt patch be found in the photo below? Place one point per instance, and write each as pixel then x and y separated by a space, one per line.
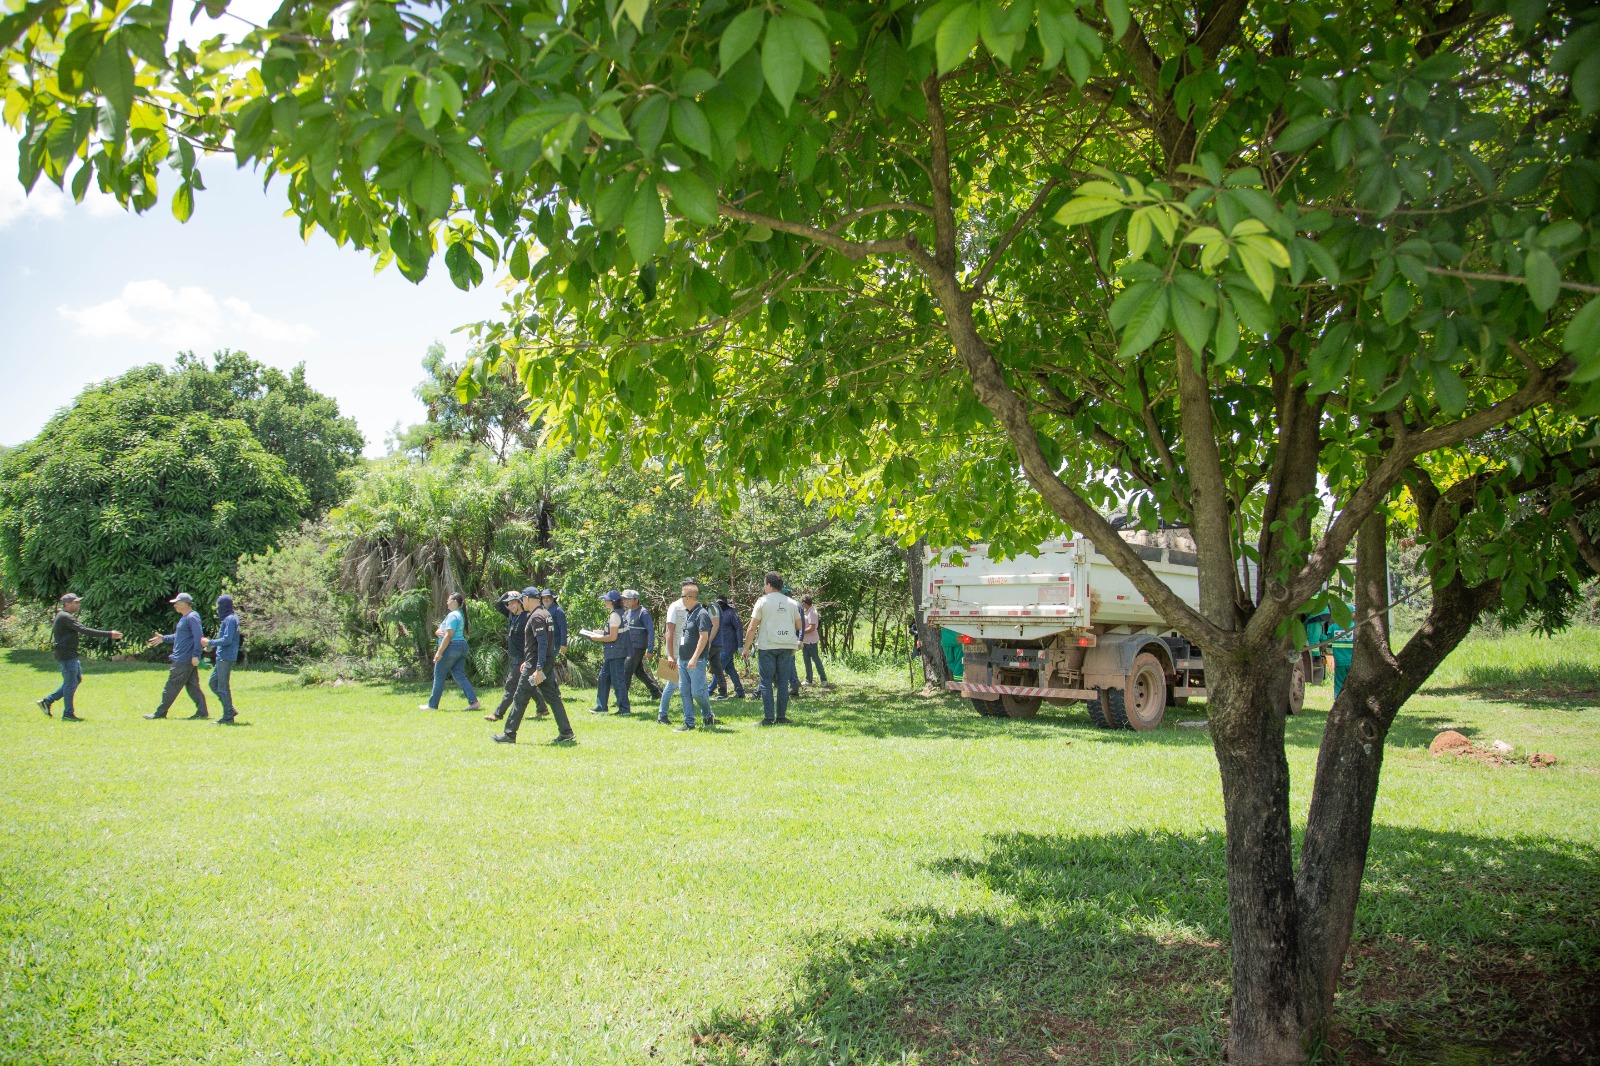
pixel 1455 744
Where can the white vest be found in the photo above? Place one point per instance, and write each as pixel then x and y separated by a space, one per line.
pixel 775 623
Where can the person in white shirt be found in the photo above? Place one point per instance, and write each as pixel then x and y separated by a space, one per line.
pixel 775 635
pixel 676 614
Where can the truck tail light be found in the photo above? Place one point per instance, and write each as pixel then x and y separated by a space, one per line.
pixel 1086 642
pixel 965 639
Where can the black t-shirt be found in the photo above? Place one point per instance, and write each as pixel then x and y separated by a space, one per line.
pixel 698 622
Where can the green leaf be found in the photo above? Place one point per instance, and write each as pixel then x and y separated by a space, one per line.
pixel 467 163
pixel 519 261
pixel 813 43
pixel 1227 342
pixel 1081 209
pixel 1127 302
pixel 1117 15
pixel 429 100
pixel 1301 134
pixel 1321 259
pixel 465 270
pixel 612 203
pixel 781 62
pixel 645 223
pixel 1147 322
pixel 607 122
pixel 650 121
pixel 112 69
pixel 1448 389
pixel 431 186
pixel 1582 341
pixel 636 11
pixel 957 36
pixel 693 196
pixel 1543 279
pixel 689 125
pixel 886 70
pixel 740 36
pixel 1257 268
pixel 1192 319
pixel 183 202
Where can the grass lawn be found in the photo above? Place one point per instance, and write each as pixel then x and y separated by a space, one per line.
pixel 891 879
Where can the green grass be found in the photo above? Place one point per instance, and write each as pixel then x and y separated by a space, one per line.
pixel 893 879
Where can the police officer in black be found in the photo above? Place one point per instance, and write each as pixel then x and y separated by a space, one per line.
pixel 510 605
pixel 538 679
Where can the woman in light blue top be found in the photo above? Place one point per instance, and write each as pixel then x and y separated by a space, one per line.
pixel 450 657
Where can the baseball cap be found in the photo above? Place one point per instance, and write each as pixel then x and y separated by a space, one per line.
pixel 614 596
pixel 630 594
pixel 549 592
pixel 182 597
pixel 532 592
pixel 71 597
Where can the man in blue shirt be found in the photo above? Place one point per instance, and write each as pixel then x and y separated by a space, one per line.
pixel 639 633
pixel 558 627
pixel 187 641
pixel 724 646
pixel 225 650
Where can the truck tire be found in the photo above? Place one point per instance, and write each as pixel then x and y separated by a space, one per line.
pixel 1018 706
pixel 1097 713
pixel 989 708
pixel 1140 703
pixel 1297 687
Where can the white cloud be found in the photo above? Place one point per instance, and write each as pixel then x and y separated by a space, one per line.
pixel 188 317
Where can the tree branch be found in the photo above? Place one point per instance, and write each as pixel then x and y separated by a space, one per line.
pixel 999 249
pixel 1510 279
pixel 853 250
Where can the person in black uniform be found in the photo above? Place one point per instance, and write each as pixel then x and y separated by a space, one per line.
pixel 538 679
pixel 510 605
pixel 64 634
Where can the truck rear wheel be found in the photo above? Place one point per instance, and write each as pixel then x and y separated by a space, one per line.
pixel 1140 703
pixel 1297 687
pixel 1018 706
pixel 1097 713
pixel 989 708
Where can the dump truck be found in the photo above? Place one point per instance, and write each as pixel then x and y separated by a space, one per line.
pixel 1062 625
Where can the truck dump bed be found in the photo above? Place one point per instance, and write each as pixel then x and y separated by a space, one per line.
pixel 1065 585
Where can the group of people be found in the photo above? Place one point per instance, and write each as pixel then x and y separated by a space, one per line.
pixel 189 646
pixel 698 651
pixel 699 645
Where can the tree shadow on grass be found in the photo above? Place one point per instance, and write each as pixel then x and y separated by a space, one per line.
pixel 1113 949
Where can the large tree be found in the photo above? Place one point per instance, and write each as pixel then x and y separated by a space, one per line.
pixel 1215 262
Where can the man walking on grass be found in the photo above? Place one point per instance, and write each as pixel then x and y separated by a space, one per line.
pixel 225 655
pixel 694 636
pixel 510 605
pixel 614 657
pixel 538 678
pixel 184 673
pixel 774 633
pixel 639 634
pixel 65 632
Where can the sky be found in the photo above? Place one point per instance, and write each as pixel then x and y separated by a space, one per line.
pixel 89 290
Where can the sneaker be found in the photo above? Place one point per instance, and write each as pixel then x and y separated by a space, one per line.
pixel 766 721
pixel 227 719
pixel 684 729
pixel 783 721
pixel 474 706
pixel 598 710
pixel 197 715
pixel 621 714
pixel 711 720
pixel 44 705
pixel 504 738
pixel 565 738
pixel 70 718
pixel 540 714
pixel 155 715
pixel 426 707
pixel 491 718
pixel 663 721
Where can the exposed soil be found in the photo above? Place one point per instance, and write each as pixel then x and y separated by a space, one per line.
pixel 1453 743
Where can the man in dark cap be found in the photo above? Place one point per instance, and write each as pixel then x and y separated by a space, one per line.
pixel 558 623
pixel 65 632
pixel 538 679
pixel 226 649
pixel 184 673
pixel 510 605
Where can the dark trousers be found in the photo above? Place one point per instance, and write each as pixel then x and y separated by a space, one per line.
pixel 183 677
pixel 636 668
pixel 513 678
pixel 222 685
pixel 71 678
pixel 613 679
pixel 723 668
pixel 548 694
pixel 813 654
pixel 775 666
pixel 793 673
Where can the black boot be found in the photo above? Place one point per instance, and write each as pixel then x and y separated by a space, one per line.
pixel 504 738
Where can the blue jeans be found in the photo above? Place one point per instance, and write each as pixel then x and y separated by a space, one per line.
pixel 221 684
pixel 71 678
pixel 668 690
pixel 452 664
pixel 724 668
pixel 692 686
pixel 613 678
pixel 776 666
pixel 813 654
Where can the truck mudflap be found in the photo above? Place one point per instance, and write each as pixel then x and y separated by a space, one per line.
pixel 975 690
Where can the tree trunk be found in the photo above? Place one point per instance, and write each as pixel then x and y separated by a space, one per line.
pixel 933 664
pixel 1247 696
pixel 1339 823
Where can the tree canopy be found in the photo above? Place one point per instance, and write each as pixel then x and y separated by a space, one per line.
pixel 158 481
